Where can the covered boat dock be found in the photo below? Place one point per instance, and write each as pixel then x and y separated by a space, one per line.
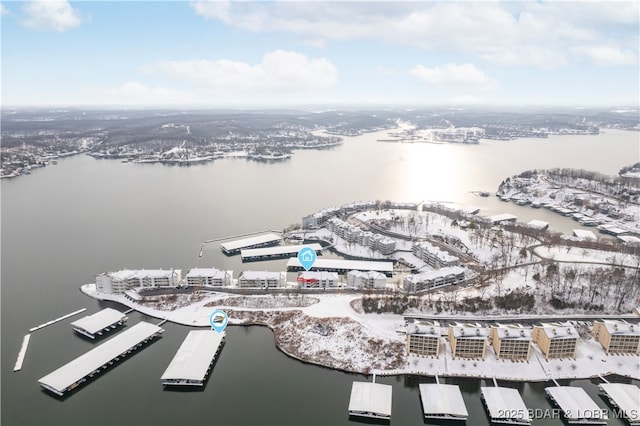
pixel 234 247
pixel 371 400
pixel 442 402
pixel 343 266
pixel 505 405
pixel 625 398
pixel 277 252
pixel 72 374
pixel 577 406
pixel 100 322
pixel 191 364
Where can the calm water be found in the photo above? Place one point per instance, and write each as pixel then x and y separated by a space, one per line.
pixel 65 223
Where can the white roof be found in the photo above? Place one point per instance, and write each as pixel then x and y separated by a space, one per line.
pixel 539 224
pixel 464 331
pixel 127 274
pixel 629 238
pixel 367 274
pixel 85 364
pixel 370 398
pixel 438 273
pixel 442 400
pixel 504 403
pixel 584 234
pixel 206 272
pixel 621 327
pixel 319 275
pixel 194 356
pixel 248 242
pixel 361 265
pixel 513 332
pixel 559 330
pixel 96 322
pixel 626 396
pixel 574 402
pixel 278 250
pixel 261 275
pixel 502 217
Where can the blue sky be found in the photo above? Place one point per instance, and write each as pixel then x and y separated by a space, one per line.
pixel 313 52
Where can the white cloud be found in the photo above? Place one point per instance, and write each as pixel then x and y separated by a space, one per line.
pixel 278 71
pixel 55 15
pixel 542 34
pixel 3 10
pixel 466 100
pixel 607 55
pixel 134 93
pixel 454 75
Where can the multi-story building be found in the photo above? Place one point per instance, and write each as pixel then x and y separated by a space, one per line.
pixel 468 341
pixel 433 256
pixel 423 338
pixel 120 281
pixel 386 246
pixel 511 341
pixel 208 277
pixel 556 340
pixel 433 279
pixel 366 280
pixel 262 279
pixel 318 279
pixel 617 336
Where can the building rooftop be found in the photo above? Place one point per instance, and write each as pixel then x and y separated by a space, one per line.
pixel 367 274
pixel 559 330
pixel 193 359
pixel 626 397
pixel 584 234
pixel 253 241
pixel 513 332
pixel 206 272
pixel 575 402
pixel 429 329
pixel 442 401
pixel 318 275
pixel 502 218
pixel 437 273
pixel 621 327
pixel 469 331
pixel 278 250
pixel 373 398
pixel 261 275
pixel 96 322
pixel 505 403
pixel 127 274
pixel 538 224
pixel 347 265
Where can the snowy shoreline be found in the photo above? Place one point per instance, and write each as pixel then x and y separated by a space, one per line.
pixel 331 334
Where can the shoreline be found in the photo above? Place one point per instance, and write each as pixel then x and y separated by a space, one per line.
pixel 294 335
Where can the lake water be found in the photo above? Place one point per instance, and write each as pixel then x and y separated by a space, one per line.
pixel 65 223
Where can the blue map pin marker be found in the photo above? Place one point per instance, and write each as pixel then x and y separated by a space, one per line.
pixel 307 257
pixel 218 320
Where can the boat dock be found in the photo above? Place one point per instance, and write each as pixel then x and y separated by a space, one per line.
pixel 234 247
pixel 100 322
pixel 277 252
pixel 22 353
pixel 64 317
pixel 372 400
pixel 442 402
pixel 191 364
pixel 343 266
pixel 625 398
pixel 577 406
pixel 72 374
pixel 505 405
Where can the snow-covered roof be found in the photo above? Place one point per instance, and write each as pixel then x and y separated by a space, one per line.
pixel 442 400
pixel 370 398
pixel 193 358
pixel 432 329
pixel 278 250
pixel 318 275
pixel 559 330
pixel 101 319
pixel 206 272
pixel 502 218
pixel 621 327
pixel 347 265
pixel 70 373
pixel 127 274
pixel 468 331
pixel 428 276
pixel 248 242
pixel 504 403
pixel 538 224
pixel 629 239
pixel 626 397
pixel 513 332
pixel 261 275
pixel 584 234
pixel 575 403
pixel 367 274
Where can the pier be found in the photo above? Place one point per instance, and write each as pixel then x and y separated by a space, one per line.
pixel 576 405
pixel 372 400
pixel 442 402
pixel 505 405
pixel 233 247
pixel 98 359
pixel 22 353
pixel 64 317
pixel 100 322
pixel 277 252
pixel 625 398
pixel 191 364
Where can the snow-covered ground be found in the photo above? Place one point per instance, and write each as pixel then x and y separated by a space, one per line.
pixel 581 255
pixel 331 333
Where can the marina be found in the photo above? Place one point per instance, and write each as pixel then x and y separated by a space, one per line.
pixel 505 405
pixel 372 400
pixel 62 318
pixel 234 247
pixel 577 406
pixel 98 359
pixel 192 362
pixel 101 322
pixel 22 353
pixel 343 266
pixel 625 398
pixel 277 252
pixel 442 402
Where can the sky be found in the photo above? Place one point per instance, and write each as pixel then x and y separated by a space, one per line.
pixel 288 53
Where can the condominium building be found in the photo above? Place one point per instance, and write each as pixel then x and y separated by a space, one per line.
pixel 317 279
pixel 468 341
pixel 617 336
pixel 511 341
pixel 433 279
pixel 366 280
pixel 556 340
pixel 386 246
pixel 433 256
pixel 120 281
pixel 208 277
pixel 423 338
pixel 262 279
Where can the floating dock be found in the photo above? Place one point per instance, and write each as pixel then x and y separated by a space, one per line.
pixel 191 364
pixel 371 400
pixel 100 322
pixel 625 398
pixel 234 247
pixel 277 252
pixel 442 402
pixel 72 374
pixel 577 406
pixel 505 405
pixel 342 266
pixel 22 353
pixel 64 317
